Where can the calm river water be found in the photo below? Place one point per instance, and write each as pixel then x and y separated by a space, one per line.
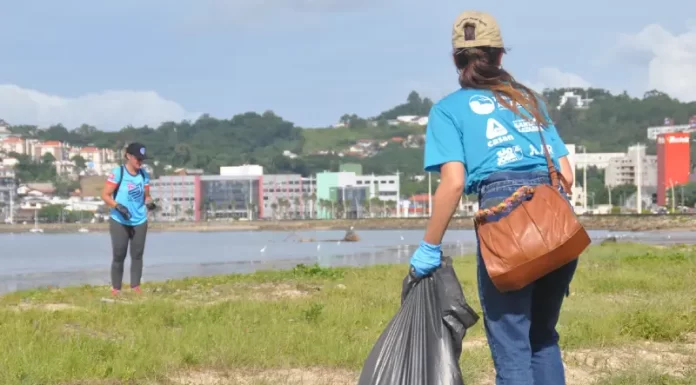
pixel 35 260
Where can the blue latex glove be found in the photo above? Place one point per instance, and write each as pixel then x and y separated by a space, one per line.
pixel 425 259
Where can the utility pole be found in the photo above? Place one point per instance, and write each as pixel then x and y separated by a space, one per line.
pixel 12 191
pixel 674 197
pixel 584 178
pixel 639 180
pixel 398 194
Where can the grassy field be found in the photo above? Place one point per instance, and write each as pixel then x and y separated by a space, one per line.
pixel 340 139
pixel 631 319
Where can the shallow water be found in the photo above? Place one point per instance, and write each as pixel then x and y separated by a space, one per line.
pixel 36 260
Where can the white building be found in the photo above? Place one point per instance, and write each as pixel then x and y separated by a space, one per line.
pixel 384 187
pixel 4 129
pixel 577 101
pixel 98 161
pixel 623 170
pixel 413 119
pixel 244 170
pixel 597 159
pixel 293 190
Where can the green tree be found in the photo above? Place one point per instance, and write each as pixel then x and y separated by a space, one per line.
pixel 80 162
pixel 610 123
pixel 685 195
pixel 415 105
pixel 27 170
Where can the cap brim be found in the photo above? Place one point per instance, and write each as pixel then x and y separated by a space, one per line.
pixel 139 156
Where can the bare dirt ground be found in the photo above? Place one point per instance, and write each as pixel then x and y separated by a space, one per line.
pixel 308 376
pixel 583 367
pixel 248 291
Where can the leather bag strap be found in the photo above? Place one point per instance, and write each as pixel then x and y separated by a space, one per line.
pixel 553 173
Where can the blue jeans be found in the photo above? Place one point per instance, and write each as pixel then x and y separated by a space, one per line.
pixel 521 325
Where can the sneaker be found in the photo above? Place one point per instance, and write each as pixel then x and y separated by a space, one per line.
pixel 114 291
pixel 137 290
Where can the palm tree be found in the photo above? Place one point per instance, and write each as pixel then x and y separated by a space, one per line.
pixel 313 202
pixel 365 206
pixel 283 204
pixel 213 208
pixel 340 210
pixel 321 206
pixel 274 207
pixel 375 204
pixel 391 205
pixel 297 204
pixel 305 198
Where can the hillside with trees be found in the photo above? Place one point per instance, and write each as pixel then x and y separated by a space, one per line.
pixel 611 123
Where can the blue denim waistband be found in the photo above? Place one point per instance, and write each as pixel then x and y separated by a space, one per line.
pixel 507 179
pixel 500 185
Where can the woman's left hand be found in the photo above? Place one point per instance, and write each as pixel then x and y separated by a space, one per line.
pixel 425 259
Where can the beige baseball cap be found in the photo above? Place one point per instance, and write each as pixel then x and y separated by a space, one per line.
pixel 486 33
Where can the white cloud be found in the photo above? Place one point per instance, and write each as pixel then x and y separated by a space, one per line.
pixel 107 110
pixel 668 59
pixel 549 77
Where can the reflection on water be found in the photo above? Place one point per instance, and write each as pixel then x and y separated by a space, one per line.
pixel 36 260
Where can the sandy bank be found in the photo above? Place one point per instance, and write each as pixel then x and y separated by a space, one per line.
pixel 597 222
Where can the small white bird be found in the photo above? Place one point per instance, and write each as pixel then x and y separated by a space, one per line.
pixel 264 249
pixel 318 246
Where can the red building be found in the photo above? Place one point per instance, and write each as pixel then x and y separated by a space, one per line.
pixel 673 162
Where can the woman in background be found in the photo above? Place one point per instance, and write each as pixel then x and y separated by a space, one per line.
pixel 127 193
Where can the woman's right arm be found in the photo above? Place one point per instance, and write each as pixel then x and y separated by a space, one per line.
pixel 107 194
pixel 443 153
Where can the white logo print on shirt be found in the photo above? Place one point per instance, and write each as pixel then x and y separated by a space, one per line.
pixel 533 151
pixel 497 133
pixel 509 155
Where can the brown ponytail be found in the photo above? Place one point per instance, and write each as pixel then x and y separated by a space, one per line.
pixel 479 68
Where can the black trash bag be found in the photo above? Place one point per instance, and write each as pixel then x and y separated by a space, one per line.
pixel 422 344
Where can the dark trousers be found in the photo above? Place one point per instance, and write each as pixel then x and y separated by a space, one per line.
pixel 521 325
pixel 121 237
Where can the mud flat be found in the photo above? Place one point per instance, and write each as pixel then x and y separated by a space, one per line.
pixel 595 222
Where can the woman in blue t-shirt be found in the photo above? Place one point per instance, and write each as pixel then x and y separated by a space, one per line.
pixel 127 193
pixel 485 139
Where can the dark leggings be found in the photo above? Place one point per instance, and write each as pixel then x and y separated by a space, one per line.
pixel 121 236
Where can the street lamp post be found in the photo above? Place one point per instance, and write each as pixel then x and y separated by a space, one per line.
pixel 639 180
pixel 584 178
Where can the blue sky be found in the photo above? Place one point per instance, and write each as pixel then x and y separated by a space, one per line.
pixel 146 61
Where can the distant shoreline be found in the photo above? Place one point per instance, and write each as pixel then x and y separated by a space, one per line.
pixel 596 222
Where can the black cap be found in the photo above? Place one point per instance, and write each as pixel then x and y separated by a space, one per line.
pixel 137 150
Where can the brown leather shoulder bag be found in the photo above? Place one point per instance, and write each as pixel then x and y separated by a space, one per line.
pixel 535 238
